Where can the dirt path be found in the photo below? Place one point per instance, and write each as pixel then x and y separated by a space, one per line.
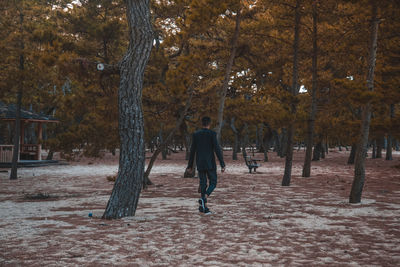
pixel 256 221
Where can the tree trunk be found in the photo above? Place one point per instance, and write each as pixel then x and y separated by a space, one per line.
pixel 188 144
pixel 50 155
pixel 268 136
pixel 236 139
pixel 17 133
pixel 277 146
pixel 294 90
pixel 374 149
pixel 389 147
pixel 161 140
pixel 317 152
pixel 125 194
pixel 359 168
pixel 379 147
pixel 227 77
pixel 283 143
pixel 323 150
pixel 352 154
pixel 163 145
pixel 311 120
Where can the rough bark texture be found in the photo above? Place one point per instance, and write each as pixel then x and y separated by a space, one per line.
pixel 125 194
pixel 359 168
pixel 227 77
pixel 162 146
pixel 311 120
pixel 17 133
pixel 294 90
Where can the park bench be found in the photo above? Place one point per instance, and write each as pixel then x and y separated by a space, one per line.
pixel 251 163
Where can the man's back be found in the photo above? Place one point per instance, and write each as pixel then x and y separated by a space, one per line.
pixel 205 144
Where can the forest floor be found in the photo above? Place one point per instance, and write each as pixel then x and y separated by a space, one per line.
pixel 256 222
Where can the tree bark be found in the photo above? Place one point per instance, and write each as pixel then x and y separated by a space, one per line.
pixel 323 150
pixel 359 168
pixel 379 147
pixel 311 121
pixel 227 77
pixel 125 194
pixel 352 154
pixel 389 147
pixel 374 149
pixel 17 133
pixel 317 152
pixel 268 135
pixel 236 139
pixel 283 143
pixel 294 90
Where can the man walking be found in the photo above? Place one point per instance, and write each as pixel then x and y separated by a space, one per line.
pixel 204 144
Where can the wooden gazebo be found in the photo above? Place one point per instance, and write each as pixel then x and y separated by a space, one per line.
pixel 26 151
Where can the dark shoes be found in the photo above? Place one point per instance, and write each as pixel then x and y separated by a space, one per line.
pixel 207 211
pixel 202 206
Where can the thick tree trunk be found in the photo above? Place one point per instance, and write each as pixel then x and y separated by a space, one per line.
pixel 311 120
pixel 163 145
pixel 359 168
pixel 227 77
pixel 125 194
pixel 294 91
pixel 17 133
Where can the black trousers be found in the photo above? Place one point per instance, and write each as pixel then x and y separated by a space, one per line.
pixel 212 178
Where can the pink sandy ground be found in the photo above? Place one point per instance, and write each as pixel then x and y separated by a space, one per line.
pixel 257 222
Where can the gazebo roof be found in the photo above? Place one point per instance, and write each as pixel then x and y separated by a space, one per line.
pixel 8 113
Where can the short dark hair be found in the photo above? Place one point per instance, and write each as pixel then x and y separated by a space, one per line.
pixel 205 121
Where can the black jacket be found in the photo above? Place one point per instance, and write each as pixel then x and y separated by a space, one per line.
pixel 204 144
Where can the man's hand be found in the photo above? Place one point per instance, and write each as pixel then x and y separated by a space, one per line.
pixel 223 169
pixel 189 170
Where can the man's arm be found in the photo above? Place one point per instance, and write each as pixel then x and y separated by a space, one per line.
pixel 218 151
pixel 192 153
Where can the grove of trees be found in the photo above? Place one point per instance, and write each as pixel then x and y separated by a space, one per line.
pixel 271 73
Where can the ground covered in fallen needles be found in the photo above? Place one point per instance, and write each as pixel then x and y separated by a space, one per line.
pixel 44 216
